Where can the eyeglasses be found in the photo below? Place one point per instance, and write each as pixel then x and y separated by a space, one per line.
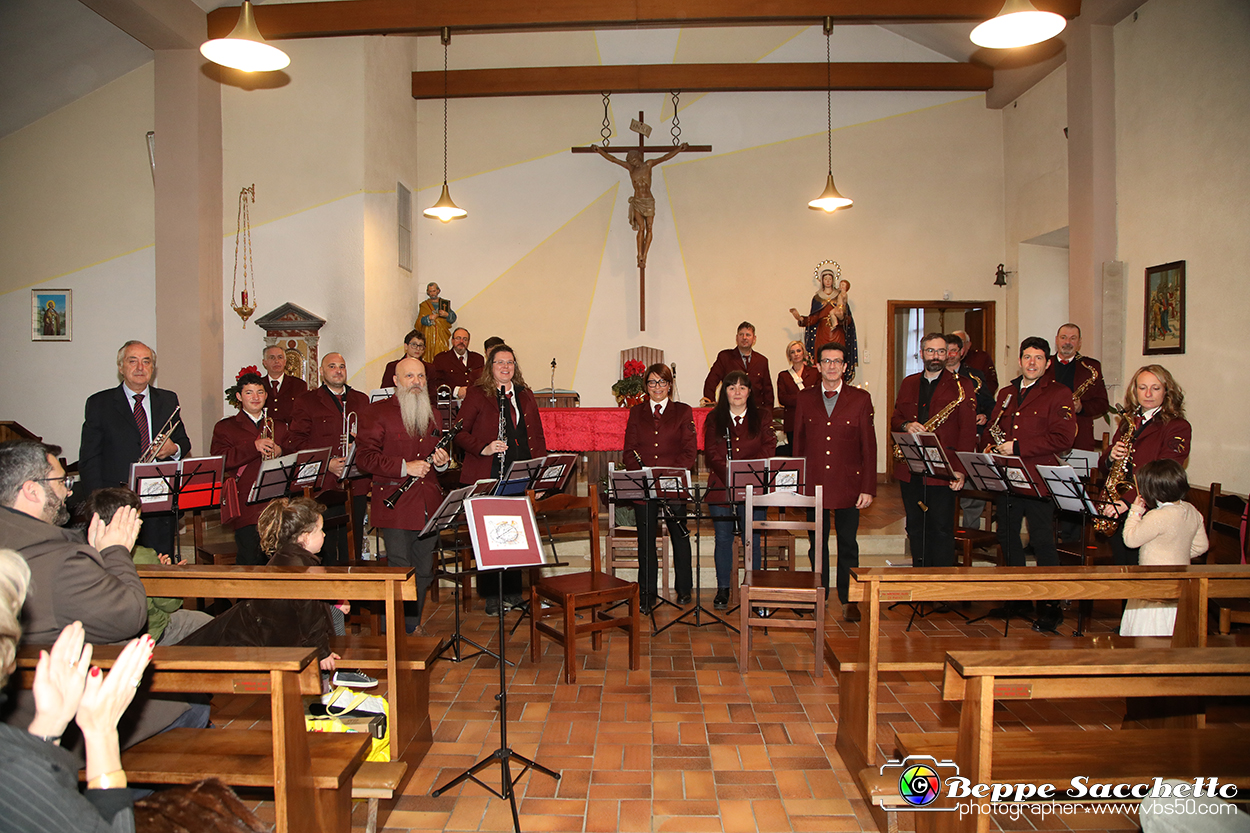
pixel 499 363
pixel 931 351
pixel 657 383
pixel 834 362
pixel 68 480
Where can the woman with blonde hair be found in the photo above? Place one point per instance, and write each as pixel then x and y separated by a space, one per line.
pixel 800 375
pixel 1156 429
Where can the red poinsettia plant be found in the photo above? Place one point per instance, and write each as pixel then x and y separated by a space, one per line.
pixel 236 387
pixel 632 385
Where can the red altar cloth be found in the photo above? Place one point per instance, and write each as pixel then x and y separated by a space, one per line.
pixel 595 429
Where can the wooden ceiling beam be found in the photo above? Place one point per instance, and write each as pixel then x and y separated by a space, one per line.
pixel 700 78
pixel 382 17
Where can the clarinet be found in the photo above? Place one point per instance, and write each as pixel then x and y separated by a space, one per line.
pixel 443 442
pixel 502 401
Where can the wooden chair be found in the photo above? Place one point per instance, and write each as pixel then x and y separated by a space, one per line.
pixel 624 539
pixel 569 593
pixel 969 538
pixel 774 590
pixel 777 549
pixel 1229 545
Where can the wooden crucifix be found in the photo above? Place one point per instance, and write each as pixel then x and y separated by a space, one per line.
pixel 642 203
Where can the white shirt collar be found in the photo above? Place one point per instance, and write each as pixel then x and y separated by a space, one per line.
pixel 663 403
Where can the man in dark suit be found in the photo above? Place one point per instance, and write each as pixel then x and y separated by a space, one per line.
pixel 281 390
pixel 743 358
pixel 949 402
pixel 833 430
pixel 118 427
pixel 317 421
pixel 458 368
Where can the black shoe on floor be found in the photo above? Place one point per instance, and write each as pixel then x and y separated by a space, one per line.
pixel 645 604
pixel 492 606
pixel 683 598
pixel 1049 617
pixel 721 602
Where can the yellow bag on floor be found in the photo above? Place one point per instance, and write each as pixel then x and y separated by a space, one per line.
pixel 348 710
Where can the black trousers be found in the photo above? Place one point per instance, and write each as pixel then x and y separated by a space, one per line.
pixel 1124 555
pixel 648 515
pixel 247 545
pixel 1012 510
pixel 334 552
pixel 846 524
pixel 932 532
pixel 406 548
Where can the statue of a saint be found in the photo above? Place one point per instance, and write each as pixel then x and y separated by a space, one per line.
pixel 642 203
pixel 830 318
pixel 434 319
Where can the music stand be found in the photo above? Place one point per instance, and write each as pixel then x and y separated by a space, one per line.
pixel 698 609
pixel 504 534
pixel 445 517
pixel 924 456
pixel 519 477
pixel 638 486
pixel 555 474
pixel 1070 495
pixel 177 485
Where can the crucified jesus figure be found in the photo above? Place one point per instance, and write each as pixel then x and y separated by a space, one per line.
pixel 642 203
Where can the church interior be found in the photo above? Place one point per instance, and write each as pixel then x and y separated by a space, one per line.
pixel 1036 188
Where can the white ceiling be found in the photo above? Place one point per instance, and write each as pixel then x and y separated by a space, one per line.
pixel 53 52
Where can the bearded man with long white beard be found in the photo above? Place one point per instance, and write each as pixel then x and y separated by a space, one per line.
pixel 396 436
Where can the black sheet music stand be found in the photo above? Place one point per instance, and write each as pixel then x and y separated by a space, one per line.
pixel 766 475
pixel 1070 494
pixel 698 610
pixel 925 458
pixel 641 486
pixel 490 525
pixel 178 485
pixel 446 517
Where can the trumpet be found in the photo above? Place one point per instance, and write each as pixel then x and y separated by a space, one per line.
pixel 350 425
pixel 154 447
pixel 266 430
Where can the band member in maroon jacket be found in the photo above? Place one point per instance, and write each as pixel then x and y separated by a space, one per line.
pixel 414 348
pixel 833 429
pixel 978 359
pixel 1035 415
pixel 929 502
pixel 458 368
pixel 487 454
pixel 735 430
pixel 1159 431
pixel 660 432
pixel 317 422
pixel 396 437
pixel 246 439
pixel 742 357
pixel 798 376
pixel 1074 371
pixel 282 390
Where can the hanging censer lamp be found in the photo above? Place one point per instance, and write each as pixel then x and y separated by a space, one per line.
pixel 246 304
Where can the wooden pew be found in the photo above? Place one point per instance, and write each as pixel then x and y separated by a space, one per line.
pixel 405 660
pixel 979 678
pixel 310 773
pixel 857 724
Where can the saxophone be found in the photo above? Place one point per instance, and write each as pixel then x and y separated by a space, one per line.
pixel 1086 385
pixel 1118 474
pixel 997 435
pixel 935 422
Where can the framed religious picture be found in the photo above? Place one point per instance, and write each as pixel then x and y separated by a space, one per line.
pixel 1164 329
pixel 51 315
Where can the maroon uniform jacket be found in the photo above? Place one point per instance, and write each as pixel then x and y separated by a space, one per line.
pixel 447 369
pixel 235 439
pixel 480 413
pixel 388 375
pixel 728 360
pixel 317 422
pixel 841 449
pixel 1093 401
pixel 1157 440
pixel 382 447
pixel 957 433
pixel 282 403
pixel 668 441
pixel 745 447
pixel 980 360
pixel 1043 427
pixel 788 391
